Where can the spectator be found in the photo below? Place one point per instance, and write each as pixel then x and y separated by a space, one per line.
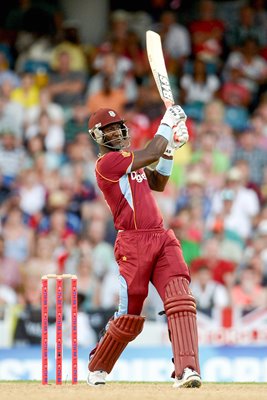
pixel 114 77
pixel 214 161
pixel 207 33
pixel 12 158
pixel 118 30
pixel 58 222
pixel 88 284
pixel 244 29
pixel 107 95
pixel 176 41
pixel 233 92
pixel 27 328
pixel 70 44
pixel 252 68
pixel 213 257
pixel 35 148
pixel 234 206
pixel 11 114
pixel 150 103
pixel 243 166
pixel 210 295
pixel 193 194
pixel 102 252
pixel 31 192
pixel 43 255
pixel 77 186
pixel 248 149
pixel 248 294
pixel 77 123
pixel 136 53
pixel 51 131
pixel 34 53
pixel 17 236
pixel 214 122
pixel 10 273
pixel 66 86
pixel 27 94
pixel 53 110
pixel 189 234
pixel 198 88
pixel 260 17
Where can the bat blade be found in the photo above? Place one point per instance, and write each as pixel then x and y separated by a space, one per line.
pixel 158 67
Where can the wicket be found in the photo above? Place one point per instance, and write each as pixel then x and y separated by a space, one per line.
pixel 59 319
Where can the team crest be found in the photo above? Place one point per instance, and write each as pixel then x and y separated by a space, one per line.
pixel 112 114
pixel 125 153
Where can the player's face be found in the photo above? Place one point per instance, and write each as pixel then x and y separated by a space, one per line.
pixel 115 137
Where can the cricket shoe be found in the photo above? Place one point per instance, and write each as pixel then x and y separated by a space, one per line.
pixel 189 379
pixel 96 378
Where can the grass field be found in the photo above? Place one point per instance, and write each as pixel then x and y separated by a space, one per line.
pixel 131 391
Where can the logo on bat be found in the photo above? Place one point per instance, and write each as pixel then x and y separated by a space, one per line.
pixel 165 87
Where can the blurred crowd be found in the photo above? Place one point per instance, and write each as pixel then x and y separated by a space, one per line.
pixel 53 218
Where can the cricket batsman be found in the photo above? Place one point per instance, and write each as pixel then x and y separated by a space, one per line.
pixel 144 250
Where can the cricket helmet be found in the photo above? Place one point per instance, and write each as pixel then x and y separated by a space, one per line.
pixel 102 118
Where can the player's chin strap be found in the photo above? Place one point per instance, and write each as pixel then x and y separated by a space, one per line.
pixel 180 309
pixel 120 332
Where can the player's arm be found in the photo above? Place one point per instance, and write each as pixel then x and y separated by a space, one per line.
pixel 156 180
pixel 154 150
pixel 172 134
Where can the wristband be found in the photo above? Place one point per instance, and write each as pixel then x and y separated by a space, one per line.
pixel 164 166
pixel 165 131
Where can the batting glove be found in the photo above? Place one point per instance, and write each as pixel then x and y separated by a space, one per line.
pixel 179 138
pixel 173 115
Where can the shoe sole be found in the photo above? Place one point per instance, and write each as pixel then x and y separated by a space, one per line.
pixel 96 384
pixel 191 382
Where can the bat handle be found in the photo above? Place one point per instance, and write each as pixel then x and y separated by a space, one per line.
pixel 168 103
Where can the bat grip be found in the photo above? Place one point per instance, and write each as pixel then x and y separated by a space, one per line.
pixel 168 103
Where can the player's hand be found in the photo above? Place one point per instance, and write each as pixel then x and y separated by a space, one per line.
pixel 179 138
pixel 173 116
pixel 180 134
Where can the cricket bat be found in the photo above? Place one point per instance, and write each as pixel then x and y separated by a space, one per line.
pixel 158 67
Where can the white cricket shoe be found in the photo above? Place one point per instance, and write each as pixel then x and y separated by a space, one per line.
pixel 189 379
pixel 96 378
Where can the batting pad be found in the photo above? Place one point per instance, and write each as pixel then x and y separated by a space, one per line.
pixel 120 332
pixel 180 309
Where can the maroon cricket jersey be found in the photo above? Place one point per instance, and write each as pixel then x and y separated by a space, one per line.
pixel 127 193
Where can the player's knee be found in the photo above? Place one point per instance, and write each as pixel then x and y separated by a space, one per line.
pixel 120 332
pixel 136 300
pixel 178 297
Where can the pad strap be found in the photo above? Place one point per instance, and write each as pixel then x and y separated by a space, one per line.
pixel 180 309
pixel 120 332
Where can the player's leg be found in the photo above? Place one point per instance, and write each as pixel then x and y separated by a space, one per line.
pixel 119 333
pixel 122 328
pixel 171 279
pixel 127 323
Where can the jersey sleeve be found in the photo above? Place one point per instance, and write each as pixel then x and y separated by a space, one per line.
pixel 114 165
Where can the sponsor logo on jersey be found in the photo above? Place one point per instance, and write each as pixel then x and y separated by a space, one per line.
pixel 138 176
